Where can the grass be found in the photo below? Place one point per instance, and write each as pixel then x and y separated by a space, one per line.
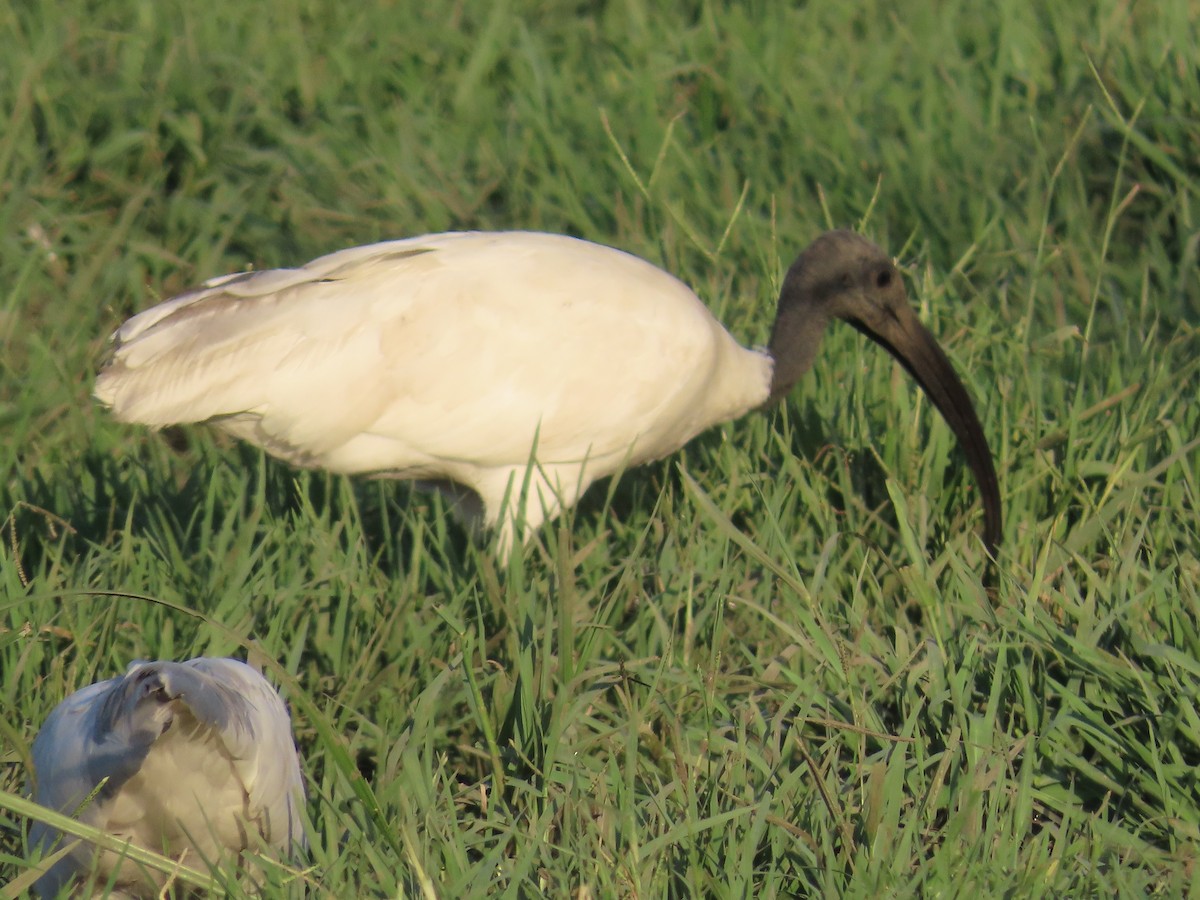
pixel 767 666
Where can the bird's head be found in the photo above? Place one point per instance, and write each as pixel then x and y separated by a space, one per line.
pixel 139 708
pixel 842 275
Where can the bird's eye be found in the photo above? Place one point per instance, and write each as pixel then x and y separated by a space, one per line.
pixel 883 278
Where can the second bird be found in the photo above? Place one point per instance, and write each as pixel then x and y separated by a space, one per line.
pixel 479 363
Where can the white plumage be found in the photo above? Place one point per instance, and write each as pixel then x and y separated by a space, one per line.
pixel 445 358
pixel 478 361
pixel 200 762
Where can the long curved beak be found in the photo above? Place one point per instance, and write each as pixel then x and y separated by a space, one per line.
pixel 911 343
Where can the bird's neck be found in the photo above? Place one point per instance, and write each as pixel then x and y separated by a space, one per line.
pixel 795 340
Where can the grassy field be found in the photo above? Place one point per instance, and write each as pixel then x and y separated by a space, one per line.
pixel 768 666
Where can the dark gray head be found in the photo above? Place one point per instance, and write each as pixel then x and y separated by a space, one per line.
pixel 843 275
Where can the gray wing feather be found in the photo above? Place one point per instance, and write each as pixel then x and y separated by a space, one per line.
pixel 64 748
pixel 68 764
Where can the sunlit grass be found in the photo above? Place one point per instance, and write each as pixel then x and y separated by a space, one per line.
pixel 775 664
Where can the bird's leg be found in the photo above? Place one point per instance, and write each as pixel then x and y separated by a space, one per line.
pixel 519 499
pixel 463 502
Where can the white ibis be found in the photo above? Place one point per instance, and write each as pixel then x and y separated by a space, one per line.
pixel 502 366
pixel 199 758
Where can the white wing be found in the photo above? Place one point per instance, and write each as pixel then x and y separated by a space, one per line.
pixel 257 731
